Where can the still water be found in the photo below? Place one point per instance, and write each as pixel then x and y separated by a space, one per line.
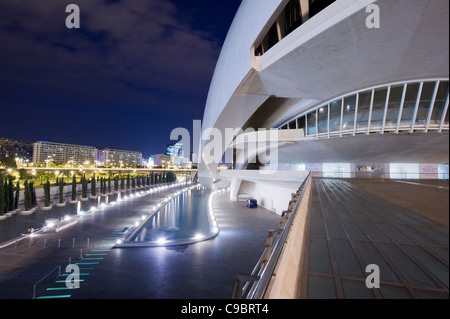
pixel 185 216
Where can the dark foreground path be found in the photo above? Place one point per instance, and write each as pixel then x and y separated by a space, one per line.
pixel 203 270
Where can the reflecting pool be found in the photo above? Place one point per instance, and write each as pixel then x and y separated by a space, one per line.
pixel 184 218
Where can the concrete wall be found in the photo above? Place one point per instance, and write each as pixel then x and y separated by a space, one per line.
pixel 274 197
pixel 272 189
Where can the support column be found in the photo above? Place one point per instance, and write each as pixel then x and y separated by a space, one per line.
pixel 234 189
pixel 304 5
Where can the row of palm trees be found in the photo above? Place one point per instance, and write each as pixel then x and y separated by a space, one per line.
pixel 9 195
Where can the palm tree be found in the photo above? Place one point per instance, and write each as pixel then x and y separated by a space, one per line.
pixel 116 183
pixel 93 185
pixel 16 198
pixel 33 194
pixel 61 190
pixel 2 196
pixel 102 185
pixel 27 202
pixel 83 186
pixel 74 187
pixel 11 194
pixel 47 194
pixel 6 195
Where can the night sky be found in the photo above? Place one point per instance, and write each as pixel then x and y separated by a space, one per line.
pixel 131 73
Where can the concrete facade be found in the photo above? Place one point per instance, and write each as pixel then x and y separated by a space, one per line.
pixel 332 54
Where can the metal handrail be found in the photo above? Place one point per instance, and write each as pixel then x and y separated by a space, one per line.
pixel 262 272
pixel 266 275
pixel 59 275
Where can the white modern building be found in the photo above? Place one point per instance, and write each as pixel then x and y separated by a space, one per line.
pixel 45 152
pixel 48 152
pixel 118 157
pixel 162 160
pixel 345 86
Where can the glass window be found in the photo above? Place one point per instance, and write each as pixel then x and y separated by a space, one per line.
pixel 284 127
pixel 335 115
pixel 349 112
pixel 379 103
pixel 410 103
pixel 315 6
pixel 311 123
pixel 322 125
pixel 363 109
pixel 395 99
pixel 446 118
pixel 425 102
pixel 259 50
pixel 292 125
pixel 269 40
pixel 301 124
pixel 439 104
pixel 293 16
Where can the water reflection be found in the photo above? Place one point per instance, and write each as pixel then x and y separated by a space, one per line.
pixel 185 216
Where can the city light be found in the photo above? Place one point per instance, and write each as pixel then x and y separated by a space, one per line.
pixel 50 224
pixel 161 241
pixel 198 236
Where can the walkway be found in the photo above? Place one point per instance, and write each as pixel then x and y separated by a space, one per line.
pixel 350 228
pixel 428 198
pixel 203 270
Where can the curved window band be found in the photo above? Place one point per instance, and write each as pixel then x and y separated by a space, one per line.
pixel 419 106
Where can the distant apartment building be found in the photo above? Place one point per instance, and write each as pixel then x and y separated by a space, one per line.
pixel 17 149
pixel 114 157
pixel 162 160
pixel 58 153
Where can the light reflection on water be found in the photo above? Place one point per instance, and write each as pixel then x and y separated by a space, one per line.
pixel 184 216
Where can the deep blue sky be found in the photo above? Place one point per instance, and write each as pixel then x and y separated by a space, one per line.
pixel 133 72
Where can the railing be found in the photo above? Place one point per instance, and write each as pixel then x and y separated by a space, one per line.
pixel 437 176
pixel 43 278
pixel 254 286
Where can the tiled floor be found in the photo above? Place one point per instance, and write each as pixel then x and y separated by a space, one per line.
pixel 350 229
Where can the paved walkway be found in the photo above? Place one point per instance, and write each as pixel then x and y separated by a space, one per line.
pixel 428 198
pixel 350 228
pixel 203 270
